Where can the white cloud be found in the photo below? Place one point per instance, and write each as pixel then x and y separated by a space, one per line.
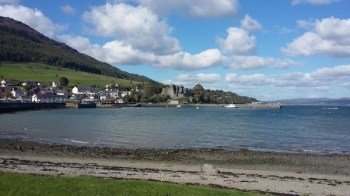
pixel 237 42
pixel 118 52
pixel 67 9
pixel 257 62
pixel 198 8
pixel 83 45
pixel 209 80
pixel 139 37
pixel 329 37
pixel 334 29
pixel 198 78
pixel 187 61
pixel 248 80
pixel 137 26
pixel 306 24
pixel 113 52
pixel 315 2
pixel 32 17
pixel 249 24
pixel 322 78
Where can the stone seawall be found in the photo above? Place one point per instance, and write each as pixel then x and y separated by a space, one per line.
pixel 14 107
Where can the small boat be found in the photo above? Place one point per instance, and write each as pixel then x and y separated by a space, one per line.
pixel 137 105
pixel 231 106
pixel 178 106
pixel 331 108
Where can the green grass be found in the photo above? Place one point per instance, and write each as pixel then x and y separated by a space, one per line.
pixel 45 73
pixel 21 184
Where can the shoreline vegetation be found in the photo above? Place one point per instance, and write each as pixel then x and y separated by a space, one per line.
pixel 272 172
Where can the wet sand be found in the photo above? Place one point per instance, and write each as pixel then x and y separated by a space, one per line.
pixel 282 173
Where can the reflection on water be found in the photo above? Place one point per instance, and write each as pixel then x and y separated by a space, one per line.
pixel 311 129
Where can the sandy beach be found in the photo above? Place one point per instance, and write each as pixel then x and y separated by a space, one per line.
pixel 280 173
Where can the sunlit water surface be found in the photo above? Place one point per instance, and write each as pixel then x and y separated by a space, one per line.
pixel 294 128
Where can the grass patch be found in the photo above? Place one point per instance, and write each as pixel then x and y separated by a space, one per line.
pixel 22 184
pixel 46 73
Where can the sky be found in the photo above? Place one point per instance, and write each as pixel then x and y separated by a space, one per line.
pixel 269 50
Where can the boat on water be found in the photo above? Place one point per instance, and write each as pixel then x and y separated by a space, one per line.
pixel 87 103
pixel 231 106
pixel 330 108
pixel 178 106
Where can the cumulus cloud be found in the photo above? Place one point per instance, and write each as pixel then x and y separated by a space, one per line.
pixel 320 78
pixel 190 80
pixel 83 45
pixel 306 24
pixel 257 62
pixel 198 78
pixel 32 17
pixel 314 2
pixel 113 52
pixel 187 61
pixel 118 52
pixel 67 9
pixel 198 8
pixel 137 26
pixel 249 24
pixel 329 37
pixel 237 42
pixel 139 37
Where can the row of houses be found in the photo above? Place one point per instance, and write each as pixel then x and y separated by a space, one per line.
pixel 52 93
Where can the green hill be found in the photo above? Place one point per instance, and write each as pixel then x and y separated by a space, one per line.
pixel 19 43
pixel 47 73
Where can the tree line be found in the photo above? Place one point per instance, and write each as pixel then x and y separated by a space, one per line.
pixel 152 93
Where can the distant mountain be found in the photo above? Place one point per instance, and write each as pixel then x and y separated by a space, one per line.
pixel 315 101
pixel 21 43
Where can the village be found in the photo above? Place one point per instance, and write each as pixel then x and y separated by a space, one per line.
pixel 33 91
pixel 150 95
pixel 55 92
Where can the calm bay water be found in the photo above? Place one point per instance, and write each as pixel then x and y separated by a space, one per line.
pixel 294 128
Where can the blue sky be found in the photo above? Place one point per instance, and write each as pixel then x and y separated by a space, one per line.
pixel 271 49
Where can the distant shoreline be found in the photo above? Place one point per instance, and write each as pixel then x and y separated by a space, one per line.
pixel 6 107
pixel 248 105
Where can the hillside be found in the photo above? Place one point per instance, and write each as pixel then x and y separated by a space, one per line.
pixel 46 73
pixel 19 43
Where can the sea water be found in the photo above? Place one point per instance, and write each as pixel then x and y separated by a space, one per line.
pixel 314 129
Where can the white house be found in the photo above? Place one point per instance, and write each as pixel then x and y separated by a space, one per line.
pixel 75 90
pixel 15 94
pixel 35 98
pixel 3 83
pixel 104 96
pixel 49 97
pixel 124 93
pixel 54 85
